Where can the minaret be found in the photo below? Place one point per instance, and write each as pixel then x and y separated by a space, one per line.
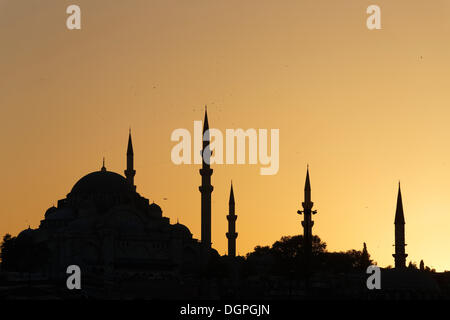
pixel 130 172
pixel 231 217
pixel 307 223
pixel 206 188
pixel 399 255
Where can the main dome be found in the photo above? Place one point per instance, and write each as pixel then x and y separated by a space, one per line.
pixel 102 182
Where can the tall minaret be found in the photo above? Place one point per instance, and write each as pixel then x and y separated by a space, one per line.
pixel 307 223
pixel 206 188
pixel 399 255
pixel 231 234
pixel 130 172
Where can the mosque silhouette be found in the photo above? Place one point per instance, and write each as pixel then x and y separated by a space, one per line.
pixel 125 247
pixel 106 227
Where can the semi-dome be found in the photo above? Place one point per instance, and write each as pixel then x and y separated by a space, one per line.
pixel 102 182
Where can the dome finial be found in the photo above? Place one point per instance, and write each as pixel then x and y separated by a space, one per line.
pixel 103 167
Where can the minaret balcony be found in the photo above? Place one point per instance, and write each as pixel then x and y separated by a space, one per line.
pixel 206 188
pixel 206 171
pixel 232 235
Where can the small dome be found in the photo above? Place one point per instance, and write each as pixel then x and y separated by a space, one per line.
pixel 50 211
pixel 182 229
pixel 25 233
pixel 102 182
pixel 155 208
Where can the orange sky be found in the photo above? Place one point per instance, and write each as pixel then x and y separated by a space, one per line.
pixel 363 108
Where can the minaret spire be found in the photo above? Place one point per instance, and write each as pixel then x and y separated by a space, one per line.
pixel 231 217
pixel 307 186
pixel 130 172
pixel 206 188
pixel 231 201
pixel 307 222
pixel 130 144
pixel 205 122
pixel 399 222
pixel 399 215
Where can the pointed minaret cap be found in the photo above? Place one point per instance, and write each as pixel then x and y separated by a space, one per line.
pixel 231 193
pixel 205 122
pixel 103 167
pixel 399 216
pixel 130 144
pixel 307 183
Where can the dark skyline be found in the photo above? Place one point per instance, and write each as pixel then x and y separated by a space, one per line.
pixel 110 231
pixel 364 108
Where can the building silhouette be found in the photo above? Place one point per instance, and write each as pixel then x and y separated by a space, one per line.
pixel 107 228
pixel 114 234
pixel 231 217
pixel 399 255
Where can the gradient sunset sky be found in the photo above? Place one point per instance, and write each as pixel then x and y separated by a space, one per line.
pixel 363 108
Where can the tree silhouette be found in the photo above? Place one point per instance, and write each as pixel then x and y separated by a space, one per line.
pixel 286 255
pixel 283 257
pixel 22 254
pixel 292 246
pixel 6 252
